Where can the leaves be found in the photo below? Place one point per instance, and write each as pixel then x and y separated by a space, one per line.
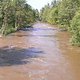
pixel 15 14
pixel 66 13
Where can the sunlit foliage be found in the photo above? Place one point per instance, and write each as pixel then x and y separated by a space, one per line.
pixel 65 13
pixel 15 14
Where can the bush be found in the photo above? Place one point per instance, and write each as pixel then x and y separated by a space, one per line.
pixel 53 16
pixel 9 30
pixel 75 29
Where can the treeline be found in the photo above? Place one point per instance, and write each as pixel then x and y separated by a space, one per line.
pixel 65 13
pixel 15 14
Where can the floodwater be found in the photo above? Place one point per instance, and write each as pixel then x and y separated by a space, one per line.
pixel 39 53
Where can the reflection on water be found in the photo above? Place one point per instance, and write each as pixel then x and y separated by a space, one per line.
pixel 38 32
pixel 34 35
pixel 72 53
pixel 34 54
pixel 16 56
pixel 37 29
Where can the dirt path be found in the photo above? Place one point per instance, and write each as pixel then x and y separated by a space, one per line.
pixel 34 54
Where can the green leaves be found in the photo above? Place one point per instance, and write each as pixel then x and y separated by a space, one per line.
pixel 66 13
pixel 75 29
pixel 50 13
pixel 53 16
pixel 15 14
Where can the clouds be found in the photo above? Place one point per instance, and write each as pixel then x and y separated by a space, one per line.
pixel 38 4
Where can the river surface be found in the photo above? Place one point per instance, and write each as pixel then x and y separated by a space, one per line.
pixel 39 53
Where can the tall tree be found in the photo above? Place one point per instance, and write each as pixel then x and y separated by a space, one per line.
pixel 15 14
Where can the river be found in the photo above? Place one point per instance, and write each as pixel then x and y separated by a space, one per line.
pixel 39 53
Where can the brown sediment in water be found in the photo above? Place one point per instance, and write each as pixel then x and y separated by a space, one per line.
pixel 37 54
pixel 72 53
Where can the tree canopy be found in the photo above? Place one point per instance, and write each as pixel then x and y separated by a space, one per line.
pixel 15 14
pixel 65 13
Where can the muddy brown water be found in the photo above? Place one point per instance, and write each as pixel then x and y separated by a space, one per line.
pixel 39 53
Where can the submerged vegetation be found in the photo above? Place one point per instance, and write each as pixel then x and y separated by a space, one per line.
pixel 65 13
pixel 15 14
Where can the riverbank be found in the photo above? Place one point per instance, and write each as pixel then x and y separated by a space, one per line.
pixel 72 53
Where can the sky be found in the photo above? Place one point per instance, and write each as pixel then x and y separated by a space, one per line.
pixel 38 4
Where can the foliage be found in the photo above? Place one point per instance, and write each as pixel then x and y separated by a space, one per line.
pixel 45 13
pixel 75 29
pixel 15 14
pixel 67 10
pixel 64 13
pixel 50 13
pixel 53 16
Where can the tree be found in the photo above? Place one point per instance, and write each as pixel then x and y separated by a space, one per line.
pixel 53 16
pixel 45 13
pixel 15 14
pixel 75 29
pixel 67 10
pixel 50 13
pixel 65 13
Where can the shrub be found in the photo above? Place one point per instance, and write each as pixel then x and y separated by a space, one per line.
pixel 75 29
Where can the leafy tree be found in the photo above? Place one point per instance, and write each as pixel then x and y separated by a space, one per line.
pixel 65 13
pixel 75 29
pixel 67 10
pixel 15 14
pixel 45 13
pixel 50 13
pixel 53 16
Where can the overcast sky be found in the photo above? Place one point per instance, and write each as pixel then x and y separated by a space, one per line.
pixel 38 4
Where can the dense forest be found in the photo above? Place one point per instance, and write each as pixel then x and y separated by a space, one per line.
pixel 65 13
pixel 15 14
